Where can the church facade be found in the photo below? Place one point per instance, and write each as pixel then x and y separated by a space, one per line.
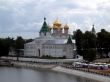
pixel 52 41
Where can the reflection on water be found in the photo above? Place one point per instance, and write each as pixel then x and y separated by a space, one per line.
pixel 27 75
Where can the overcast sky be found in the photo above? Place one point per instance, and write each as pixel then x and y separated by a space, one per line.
pixel 25 17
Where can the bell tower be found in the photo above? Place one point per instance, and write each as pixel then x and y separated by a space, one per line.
pixel 45 31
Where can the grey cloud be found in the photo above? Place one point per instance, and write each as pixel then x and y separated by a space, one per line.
pixel 25 17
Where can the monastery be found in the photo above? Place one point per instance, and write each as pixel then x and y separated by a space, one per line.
pixel 54 41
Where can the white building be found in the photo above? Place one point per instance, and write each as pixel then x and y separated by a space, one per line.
pixel 53 41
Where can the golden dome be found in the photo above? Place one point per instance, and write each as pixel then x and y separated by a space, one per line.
pixel 66 26
pixel 57 24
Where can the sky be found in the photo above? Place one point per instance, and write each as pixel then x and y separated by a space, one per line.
pixel 25 17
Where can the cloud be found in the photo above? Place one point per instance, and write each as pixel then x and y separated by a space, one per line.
pixel 25 17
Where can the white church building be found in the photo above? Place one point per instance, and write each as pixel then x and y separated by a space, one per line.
pixel 53 41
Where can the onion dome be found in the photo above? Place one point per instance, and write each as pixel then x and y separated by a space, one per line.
pixel 57 24
pixel 66 26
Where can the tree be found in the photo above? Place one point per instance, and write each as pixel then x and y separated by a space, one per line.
pixel 103 42
pixel 78 36
pixel 9 43
pixel 89 46
pixel 89 40
pixel 28 40
pixel 19 43
pixel 90 54
pixel 5 45
pixel 86 43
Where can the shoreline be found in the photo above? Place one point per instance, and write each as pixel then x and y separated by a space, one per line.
pixel 81 74
pixel 57 68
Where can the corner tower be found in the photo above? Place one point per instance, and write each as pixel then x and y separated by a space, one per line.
pixel 69 41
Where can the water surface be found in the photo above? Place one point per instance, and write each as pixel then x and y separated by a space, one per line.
pixel 9 74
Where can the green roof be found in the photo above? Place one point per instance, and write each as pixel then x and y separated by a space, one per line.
pixel 45 27
pixel 69 40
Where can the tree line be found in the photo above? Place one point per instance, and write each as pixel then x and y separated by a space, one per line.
pixel 92 45
pixel 6 44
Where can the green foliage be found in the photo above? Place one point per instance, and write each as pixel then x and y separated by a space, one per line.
pixel 84 43
pixel 6 44
pixel 87 41
pixel 89 54
pixel 19 43
pixel 103 42
pixel 28 40
pixel 78 36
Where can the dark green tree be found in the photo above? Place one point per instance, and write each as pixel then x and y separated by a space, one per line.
pixel 89 46
pixel 28 40
pixel 5 44
pixel 85 43
pixel 103 42
pixel 19 43
pixel 89 40
pixel 78 36
pixel 90 54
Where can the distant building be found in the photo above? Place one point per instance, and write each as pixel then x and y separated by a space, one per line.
pixel 93 30
pixel 53 41
pixel 16 52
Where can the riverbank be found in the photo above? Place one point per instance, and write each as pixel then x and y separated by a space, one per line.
pixel 82 74
pixel 56 67
pixel 33 65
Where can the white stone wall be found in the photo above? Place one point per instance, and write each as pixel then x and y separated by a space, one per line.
pixel 45 35
pixel 55 50
pixel 59 50
pixel 29 50
pixel 69 51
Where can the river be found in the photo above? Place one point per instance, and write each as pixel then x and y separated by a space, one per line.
pixel 9 74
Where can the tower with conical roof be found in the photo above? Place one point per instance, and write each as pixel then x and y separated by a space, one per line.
pixel 93 30
pixel 69 48
pixel 45 31
pixel 69 41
